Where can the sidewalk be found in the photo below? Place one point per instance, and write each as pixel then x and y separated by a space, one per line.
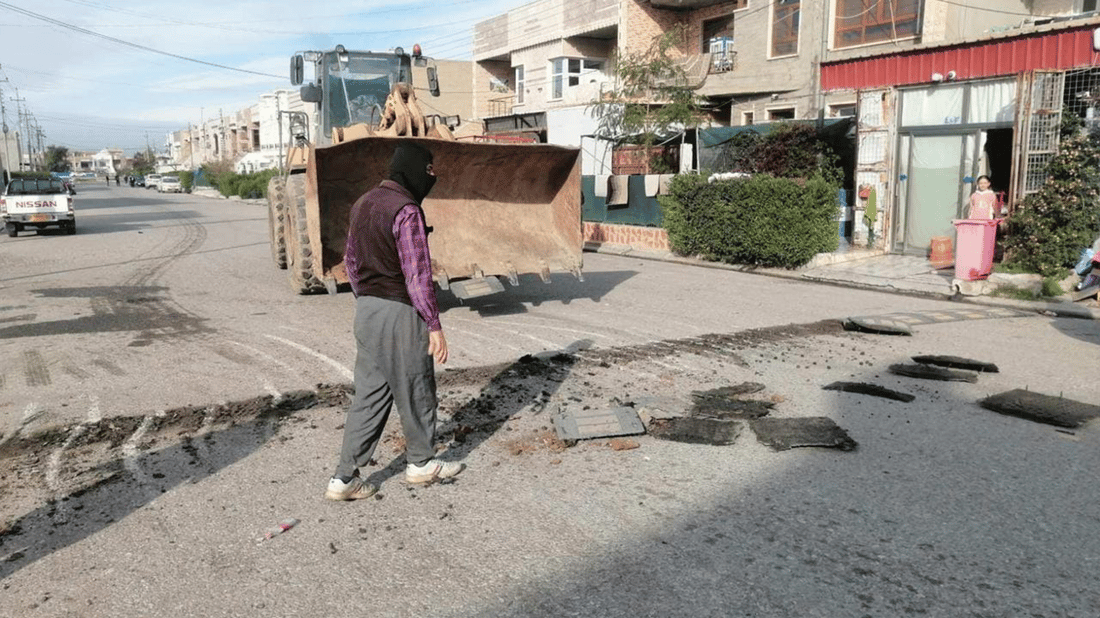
pixel 875 270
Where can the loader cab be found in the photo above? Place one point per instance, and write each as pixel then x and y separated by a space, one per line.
pixel 355 86
pixel 351 87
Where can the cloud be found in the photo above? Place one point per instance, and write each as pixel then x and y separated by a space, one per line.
pixel 72 74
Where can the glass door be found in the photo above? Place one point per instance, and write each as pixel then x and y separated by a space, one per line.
pixel 934 188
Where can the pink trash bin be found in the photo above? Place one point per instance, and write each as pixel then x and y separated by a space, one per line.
pixel 974 243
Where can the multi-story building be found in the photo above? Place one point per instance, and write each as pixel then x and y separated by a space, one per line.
pixel 943 90
pixel 257 138
pixel 538 69
pixel 10 151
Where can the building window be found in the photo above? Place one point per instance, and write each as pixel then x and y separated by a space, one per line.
pixel 840 110
pixel 717 33
pixel 785 20
pixel 1088 6
pixel 747 118
pixel 521 84
pixel 781 113
pixel 570 72
pixel 884 20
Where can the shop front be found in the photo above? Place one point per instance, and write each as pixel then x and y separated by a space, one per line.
pixel 948 136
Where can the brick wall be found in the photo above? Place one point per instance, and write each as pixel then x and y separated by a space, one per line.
pixel 640 23
pixel 637 237
pixel 483 74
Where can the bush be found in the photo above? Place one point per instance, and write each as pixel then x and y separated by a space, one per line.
pixel 187 180
pixel 790 150
pixel 1050 227
pixel 764 221
pixel 230 183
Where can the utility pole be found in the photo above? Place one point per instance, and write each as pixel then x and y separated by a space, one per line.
pixel 4 154
pixel 41 150
pixel 19 110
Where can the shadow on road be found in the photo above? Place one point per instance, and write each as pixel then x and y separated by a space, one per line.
pixel 562 288
pixel 524 386
pixel 110 491
pixel 1081 330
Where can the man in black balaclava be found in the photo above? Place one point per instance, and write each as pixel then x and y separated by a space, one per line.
pixel 411 167
pixel 397 328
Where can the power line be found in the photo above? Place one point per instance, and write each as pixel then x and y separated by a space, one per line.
pixel 93 33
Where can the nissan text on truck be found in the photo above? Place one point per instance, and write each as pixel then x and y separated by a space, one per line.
pixel 37 203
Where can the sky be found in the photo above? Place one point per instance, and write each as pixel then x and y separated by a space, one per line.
pixel 120 73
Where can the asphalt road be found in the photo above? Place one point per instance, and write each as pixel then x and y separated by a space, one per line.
pixel 160 410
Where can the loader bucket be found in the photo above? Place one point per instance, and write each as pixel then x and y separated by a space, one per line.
pixel 496 209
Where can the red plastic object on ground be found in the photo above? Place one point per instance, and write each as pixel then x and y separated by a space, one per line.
pixel 974 243
pixel 941 254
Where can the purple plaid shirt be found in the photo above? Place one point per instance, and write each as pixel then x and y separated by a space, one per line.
pixel 416 264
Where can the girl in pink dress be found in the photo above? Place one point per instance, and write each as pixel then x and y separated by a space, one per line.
pixel 983 201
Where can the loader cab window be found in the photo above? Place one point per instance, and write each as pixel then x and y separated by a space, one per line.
pixel 356 91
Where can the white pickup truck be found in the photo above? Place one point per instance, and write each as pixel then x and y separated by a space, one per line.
pixel 37 203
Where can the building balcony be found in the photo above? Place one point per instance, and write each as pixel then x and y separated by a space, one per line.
pixel 686 5
pixel 501 106
pixel 722 62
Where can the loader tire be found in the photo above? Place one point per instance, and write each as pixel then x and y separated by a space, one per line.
pixel 276 219
pixel 299 253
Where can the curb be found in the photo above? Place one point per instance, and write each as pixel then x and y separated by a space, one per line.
pixel 1052 309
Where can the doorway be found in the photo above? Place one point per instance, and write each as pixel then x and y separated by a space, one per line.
pixel 933 167
pixel 998 160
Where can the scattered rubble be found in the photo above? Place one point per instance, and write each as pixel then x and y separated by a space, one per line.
pixel 931 372
pixel 732 408
pixel 874 390
pixel 726 402
pixel 782 434
pixel 695 430
pixel 623 444
pixel 878 326
pixel 957 362
pixel 1057 411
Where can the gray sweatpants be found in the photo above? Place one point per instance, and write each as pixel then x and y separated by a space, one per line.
pixel 392 367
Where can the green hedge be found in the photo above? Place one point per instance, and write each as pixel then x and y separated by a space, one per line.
pixel 763 220
pixel 243 185
pixel 1050 227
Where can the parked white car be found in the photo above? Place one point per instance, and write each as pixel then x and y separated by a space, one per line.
pixel 152 181
pixel 169 184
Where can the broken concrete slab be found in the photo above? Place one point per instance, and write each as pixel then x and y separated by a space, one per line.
pixel 588 424
pixel 877 325
pixel 727 392
pixel 783 434
pixel 732 408
pixel 931 372
pixel 1057 411
pixel 1092 291
pixel 874 390
pixel 623 444
pixel 957 362
pixel 693 430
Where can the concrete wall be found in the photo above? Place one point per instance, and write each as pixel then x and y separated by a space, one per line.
pixel 10 151
pixel 455 78
pixel 541 22
pixel 569 127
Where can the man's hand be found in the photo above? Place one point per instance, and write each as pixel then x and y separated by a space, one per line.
pixel 437 346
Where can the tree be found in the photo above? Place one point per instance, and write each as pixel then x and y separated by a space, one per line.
pixel 57 159
pixel 653 99
pixel 142 163
pixel 1048 230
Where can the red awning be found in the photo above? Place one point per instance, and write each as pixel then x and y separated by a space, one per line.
pixel 1053 50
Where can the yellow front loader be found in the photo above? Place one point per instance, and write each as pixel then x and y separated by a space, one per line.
pixel 497 210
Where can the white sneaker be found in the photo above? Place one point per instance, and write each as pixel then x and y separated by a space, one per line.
pixel 355 489
pixel 433 470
